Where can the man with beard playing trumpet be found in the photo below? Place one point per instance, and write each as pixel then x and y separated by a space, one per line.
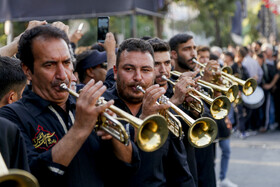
pixel 183 50
pixel 135 66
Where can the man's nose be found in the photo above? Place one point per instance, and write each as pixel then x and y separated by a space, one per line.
pixel 137 76
pixel 61 72
pixel 162 69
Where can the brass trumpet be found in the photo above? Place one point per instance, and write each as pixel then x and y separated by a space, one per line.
pixel 152 132
pixel 230 92
pixel 248 86
pixel 219 107
pixel 202 131
pixel 16 177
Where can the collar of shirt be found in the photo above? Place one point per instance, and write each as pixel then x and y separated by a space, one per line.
pixel 39 104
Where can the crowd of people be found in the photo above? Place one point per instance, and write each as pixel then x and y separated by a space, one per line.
pixel 57 137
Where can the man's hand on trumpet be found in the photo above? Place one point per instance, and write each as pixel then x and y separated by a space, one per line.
pixel 212 72
pixel 182 88
pixel 86 110
pixel 150 106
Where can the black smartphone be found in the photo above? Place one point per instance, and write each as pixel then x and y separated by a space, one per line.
pixel 103 28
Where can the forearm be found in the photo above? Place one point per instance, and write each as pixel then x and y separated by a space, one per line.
pixel 111 59
pixel 66 149
pixel 275 79
pixel 122 152
pixel 9 50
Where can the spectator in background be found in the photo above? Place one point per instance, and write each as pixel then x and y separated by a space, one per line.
pixel 12 80
pixel 91 64
pixel 269 80
pixel 253 67
pixel 256 47
pixel 228 58
pixel 244 113
pixel 267 51
pixel 218 52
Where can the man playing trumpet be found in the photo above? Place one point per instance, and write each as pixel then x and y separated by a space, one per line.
pixel 183 51
pixel 63 149
pixel 135 66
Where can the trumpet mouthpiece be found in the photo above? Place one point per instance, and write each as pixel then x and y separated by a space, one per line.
pixel 63 86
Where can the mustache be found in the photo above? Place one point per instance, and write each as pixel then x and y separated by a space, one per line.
pixel 57 83
pixel 190 60
pixel 160 76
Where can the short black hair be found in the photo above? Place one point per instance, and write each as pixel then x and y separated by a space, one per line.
pixel 202 48
pixel 230 54
pixel 134 44
pixel 179 39
pixel 146 38
pixel 159 45
pixel 25 52
pixel 11 76
pixel 242 51
pixel 213 57
pixel 260 55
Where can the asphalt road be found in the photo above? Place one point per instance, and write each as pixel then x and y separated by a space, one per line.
pixel 255 161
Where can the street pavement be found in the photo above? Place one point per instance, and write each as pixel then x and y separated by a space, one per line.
pixel 255 161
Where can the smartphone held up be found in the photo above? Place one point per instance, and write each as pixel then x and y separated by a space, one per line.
pixel 103 28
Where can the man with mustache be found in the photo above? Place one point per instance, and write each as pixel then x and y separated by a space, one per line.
pixel 185 156
pixel 135 66
pixel 183 50
pixel 63 149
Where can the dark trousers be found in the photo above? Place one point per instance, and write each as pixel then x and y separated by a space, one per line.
pixel 205 166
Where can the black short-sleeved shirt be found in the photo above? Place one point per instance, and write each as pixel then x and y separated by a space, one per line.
pixel 12 146
pixel 43 124
pixel 166 166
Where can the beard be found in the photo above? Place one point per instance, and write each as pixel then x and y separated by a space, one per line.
pixel 126 92
pixel 184 64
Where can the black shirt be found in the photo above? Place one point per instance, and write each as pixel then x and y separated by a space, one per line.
pixel 43 124
pixel 12 146
pixel 166 166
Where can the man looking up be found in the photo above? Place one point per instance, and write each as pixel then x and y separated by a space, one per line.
pixel 63 149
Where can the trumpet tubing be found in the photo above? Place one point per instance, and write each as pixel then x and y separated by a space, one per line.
pixel 219 107
pixel 248 86
pixel 202 131
pixel 151 134
pixel 231 92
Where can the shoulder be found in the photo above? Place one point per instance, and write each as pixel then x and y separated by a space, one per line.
pixel 8 129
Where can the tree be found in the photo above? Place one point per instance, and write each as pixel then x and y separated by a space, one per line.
pixel 214 19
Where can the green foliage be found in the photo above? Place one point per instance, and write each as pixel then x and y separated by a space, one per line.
pixel 214 19
pixel 250 32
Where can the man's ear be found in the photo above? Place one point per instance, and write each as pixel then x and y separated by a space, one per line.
pixel 10 97
pixel 174 54
pixel 115 72
pixel 89 73
pixel 26 71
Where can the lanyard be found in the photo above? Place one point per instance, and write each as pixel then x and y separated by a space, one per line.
pixel 60 119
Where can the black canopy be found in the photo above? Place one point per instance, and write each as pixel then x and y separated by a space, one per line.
pixel 26 10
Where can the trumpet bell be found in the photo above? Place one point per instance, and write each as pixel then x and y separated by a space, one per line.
pixel 227 69
pixel 232 93
pixel 220 107
pixel 152 134
pixel 249 86
pixel 18 178
pixel 203 132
